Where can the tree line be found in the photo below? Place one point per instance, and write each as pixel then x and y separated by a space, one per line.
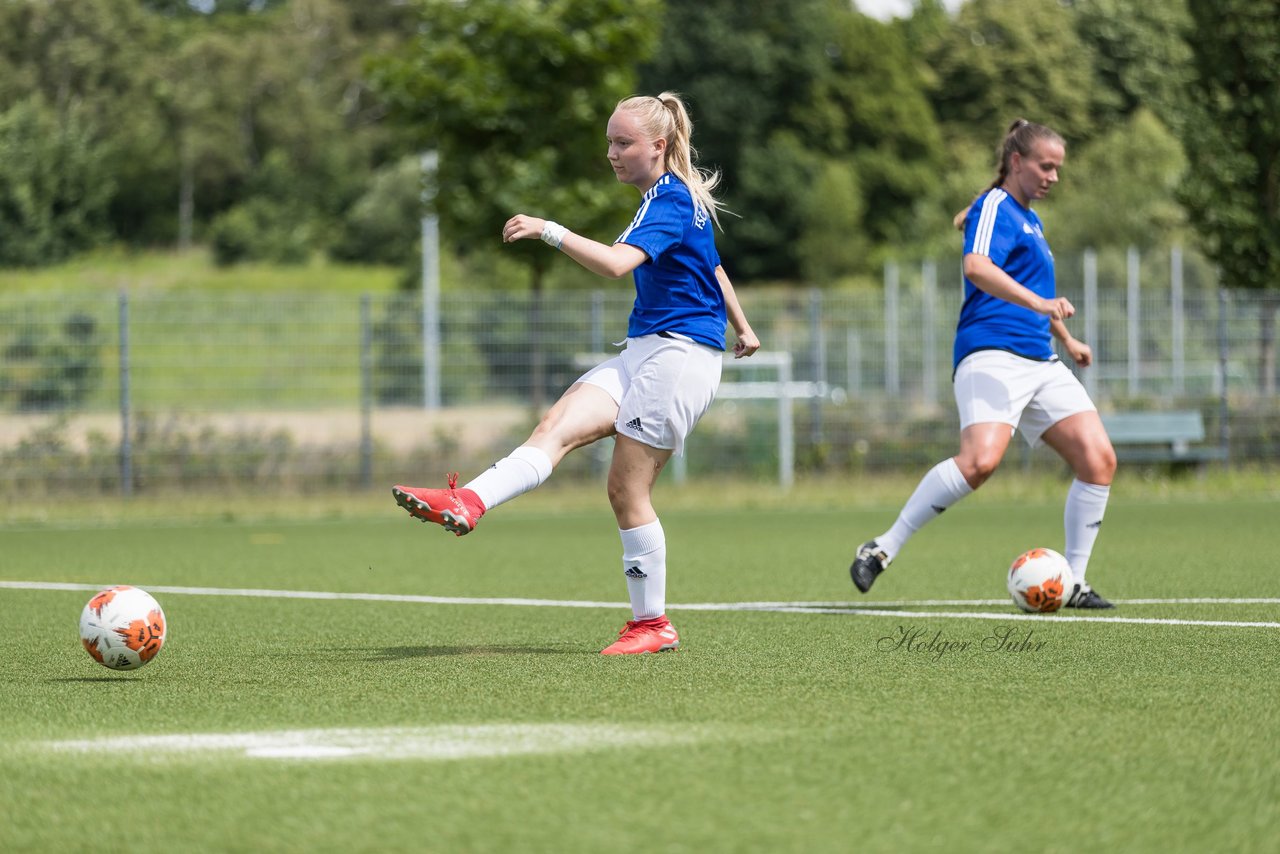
pixel 277 129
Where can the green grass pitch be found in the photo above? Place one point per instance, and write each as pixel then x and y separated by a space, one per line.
pixel 395 723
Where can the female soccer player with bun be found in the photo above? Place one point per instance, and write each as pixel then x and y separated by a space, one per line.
pixel 650 396
pixel 1007 375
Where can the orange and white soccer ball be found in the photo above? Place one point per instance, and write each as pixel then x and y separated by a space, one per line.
pixel 1040 581
pixel 122 627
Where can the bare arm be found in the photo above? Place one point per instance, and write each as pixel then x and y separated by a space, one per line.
pixel 619 259
pixel 1080 352
pixel 984 274
pixel 747 342
pixel 613 261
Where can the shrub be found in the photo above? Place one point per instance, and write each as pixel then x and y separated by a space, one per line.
pixel 45 367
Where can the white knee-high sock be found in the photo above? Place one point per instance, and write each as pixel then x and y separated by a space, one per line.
pixel 523 469
pixel 943 486
pixel 1086 505
pixel 644 563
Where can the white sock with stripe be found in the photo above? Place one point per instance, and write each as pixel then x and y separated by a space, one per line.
pixel 943 486
pixel 523 469
pixel 1081 520
pixel 644 563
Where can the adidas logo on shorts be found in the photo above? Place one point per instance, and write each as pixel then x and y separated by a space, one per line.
pixel 634 424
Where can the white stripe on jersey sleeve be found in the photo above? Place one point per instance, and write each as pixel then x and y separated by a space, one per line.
pixel 644 208
pixel 987 222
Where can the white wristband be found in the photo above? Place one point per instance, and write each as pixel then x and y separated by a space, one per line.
pixel 553 234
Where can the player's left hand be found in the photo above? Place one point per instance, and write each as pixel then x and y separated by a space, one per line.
pixel 522 227
pixel 746 344
pixel 1080 352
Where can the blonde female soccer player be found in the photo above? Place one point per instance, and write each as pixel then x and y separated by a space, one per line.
pixel 650 396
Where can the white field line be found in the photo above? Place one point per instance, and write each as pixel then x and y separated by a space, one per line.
pixel 440 743
pixel 320 594
pixel 919 603
pixel 869 609
pixel 1054 618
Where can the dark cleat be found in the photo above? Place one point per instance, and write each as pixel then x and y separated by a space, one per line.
pixel 1087 597
pixel 870 561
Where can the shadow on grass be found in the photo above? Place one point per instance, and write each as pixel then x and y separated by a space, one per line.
pixel 122 679
pixel 836 610
pixel 839 610
pixel 393 653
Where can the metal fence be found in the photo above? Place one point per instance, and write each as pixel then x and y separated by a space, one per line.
pixel 140 392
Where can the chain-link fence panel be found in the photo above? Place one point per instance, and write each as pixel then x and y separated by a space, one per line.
pixel 144 392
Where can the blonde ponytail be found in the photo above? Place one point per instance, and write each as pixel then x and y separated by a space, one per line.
pixel 665 117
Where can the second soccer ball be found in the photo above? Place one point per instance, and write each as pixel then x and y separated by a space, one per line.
pixel 1040 581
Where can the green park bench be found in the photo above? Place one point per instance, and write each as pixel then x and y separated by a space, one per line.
pixel 1161 437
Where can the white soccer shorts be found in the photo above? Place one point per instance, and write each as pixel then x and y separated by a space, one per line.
pixel 662 386
pixel 1028 395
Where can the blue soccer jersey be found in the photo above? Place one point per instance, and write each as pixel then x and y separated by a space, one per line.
pixel 1011 236
pixel 676 287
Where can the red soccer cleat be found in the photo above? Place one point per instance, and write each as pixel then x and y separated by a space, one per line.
pixel 640 636
pixel 457 510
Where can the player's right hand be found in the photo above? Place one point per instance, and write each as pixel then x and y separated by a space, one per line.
pixel 1058 308
pixel 522 227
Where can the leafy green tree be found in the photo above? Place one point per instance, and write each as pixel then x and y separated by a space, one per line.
pixel 185 104
pixel 1001 59
pixel 870 112
pixel 308 72
pixel 271 224
pixel 272 136
pixel 1120 188
pixel 381 225
pixel 70 67
pixel 1231 132
pixel 201 92
pixel 786 96
pixel 834 239
pixel 381 23
pixel 70 52
pixel 1121 185
pixel 45 367
pixel 514 95
pixel 55 185
pixel 1140 55
pixel 208 8
pixel 1106 73
pixel 749 69
pixel 992 62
